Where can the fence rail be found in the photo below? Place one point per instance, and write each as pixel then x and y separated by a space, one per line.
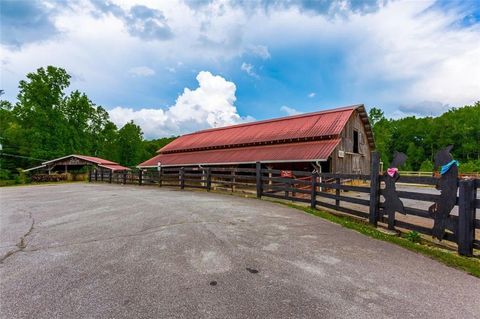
pixel 362 196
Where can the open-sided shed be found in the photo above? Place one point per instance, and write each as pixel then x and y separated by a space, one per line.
pixel 75 162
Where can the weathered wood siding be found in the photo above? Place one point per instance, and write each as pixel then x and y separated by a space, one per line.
pixel 352 163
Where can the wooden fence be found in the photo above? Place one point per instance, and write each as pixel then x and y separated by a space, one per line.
pixel 358 195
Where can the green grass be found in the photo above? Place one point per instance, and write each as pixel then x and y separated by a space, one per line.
pixel 450 258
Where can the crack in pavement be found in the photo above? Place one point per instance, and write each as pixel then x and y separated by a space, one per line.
pixel 144 232
pixel 22 244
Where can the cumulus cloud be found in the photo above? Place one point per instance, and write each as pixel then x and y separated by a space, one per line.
pixel 249 69
pixel 141 71
pixel 424 108
pixel 24 22
pixel 211 104
pixel 289 110
pixel 140 21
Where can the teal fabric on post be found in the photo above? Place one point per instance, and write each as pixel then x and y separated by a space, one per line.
pixel 445 168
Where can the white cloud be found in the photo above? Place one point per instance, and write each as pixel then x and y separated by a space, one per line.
pixel 312 94
pixel 260 51
pixel 429 58
pixel 209 105
pixel 249 69
pixel 142 71
pixel 289 110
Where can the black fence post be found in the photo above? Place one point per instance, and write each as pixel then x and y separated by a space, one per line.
pixel 101 175
pixel 111 177
pixel 338 181
pixel 140 177
pixel 96 175
pixel 124 178
pixel 182 178
pixel 466 217
pixel 90 176
pixel 209 179
pixel 258 175
pixel 374 189
pixel 313 194
pixel 160 172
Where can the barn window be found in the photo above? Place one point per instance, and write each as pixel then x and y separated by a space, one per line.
pixel 355 141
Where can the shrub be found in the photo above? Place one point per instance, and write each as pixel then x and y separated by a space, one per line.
pixel 426 166
pixel 41 178
pixel 413 236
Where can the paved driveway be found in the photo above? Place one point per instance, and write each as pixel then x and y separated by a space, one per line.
pixel 111 251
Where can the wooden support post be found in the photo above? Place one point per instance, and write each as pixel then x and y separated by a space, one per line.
pixel 209 179
pixel 96 174
pixel 233 180
pixel 258 176
pixel 466 217
pixel 374 189
pixel 182 178
pixel 338 181
pixel 124 178
pixel 110 177
pixel 101 175
pixel 313 194
pixel 140 177
pixel 89 176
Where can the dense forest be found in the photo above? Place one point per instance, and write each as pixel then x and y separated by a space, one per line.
pixel 46 123
pixel 420 138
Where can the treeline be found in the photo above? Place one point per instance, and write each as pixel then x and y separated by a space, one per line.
pixel 420 138
pixel 46 123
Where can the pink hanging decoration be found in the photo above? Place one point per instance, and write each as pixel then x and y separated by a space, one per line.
pixel 391 171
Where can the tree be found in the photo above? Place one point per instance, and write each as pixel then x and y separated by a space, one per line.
pixel 129 144
pixel 375 115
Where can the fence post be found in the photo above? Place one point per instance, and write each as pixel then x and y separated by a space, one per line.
pixel 96 175
pixel 466 217
pixel 124 178
pixel 209 179
pixel 89 176
pixel 111 177
pixel 313 194
pixel 140 177
pixel 160 173
pixel 338 181
pixel 258 172
pixel 374 189
pixel 182 178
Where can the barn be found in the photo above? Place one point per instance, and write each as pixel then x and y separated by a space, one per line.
pixel 337 140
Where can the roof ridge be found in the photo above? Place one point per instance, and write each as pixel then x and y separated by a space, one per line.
pixel 277 119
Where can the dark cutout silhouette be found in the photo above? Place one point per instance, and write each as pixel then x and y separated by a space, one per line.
pixel 392 201
pixel 447 184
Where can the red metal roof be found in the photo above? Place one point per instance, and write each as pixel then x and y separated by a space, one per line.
pixel 96 160
pixel 115 167
pixel 305 126
pixel 289 152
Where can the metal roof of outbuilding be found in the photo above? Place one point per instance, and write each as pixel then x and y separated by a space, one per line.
pixel 94 160
pixel 303 127
pixel 289 152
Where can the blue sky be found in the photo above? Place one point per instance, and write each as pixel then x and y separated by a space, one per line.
pixel 175 66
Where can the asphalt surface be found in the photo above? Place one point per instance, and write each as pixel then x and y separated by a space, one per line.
pixel 112 251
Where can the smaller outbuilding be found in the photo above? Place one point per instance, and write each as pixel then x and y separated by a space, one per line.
pixel 75 162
